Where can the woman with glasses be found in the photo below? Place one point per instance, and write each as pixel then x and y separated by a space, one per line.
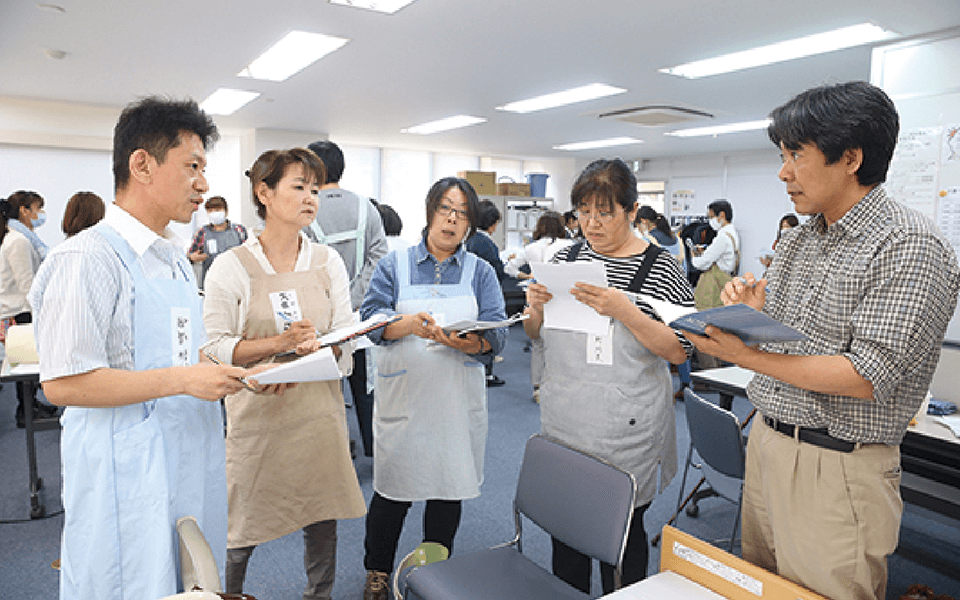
pixel 615 404
pixel 430 409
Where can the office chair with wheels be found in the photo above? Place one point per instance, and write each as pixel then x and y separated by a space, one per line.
pixel 577 498
pixel 717 437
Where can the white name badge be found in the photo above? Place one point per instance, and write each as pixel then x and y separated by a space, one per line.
pixel 211 246
pixel 600 349
pixel 286 309
pixel 180 332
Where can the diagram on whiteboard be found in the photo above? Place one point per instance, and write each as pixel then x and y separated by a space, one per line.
pixel 948 217
pixel 951 144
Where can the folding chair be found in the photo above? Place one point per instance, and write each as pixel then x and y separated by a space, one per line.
pixel 579 499
pixel 717 437
pixel 198 567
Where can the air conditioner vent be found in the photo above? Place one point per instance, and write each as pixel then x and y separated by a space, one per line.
pixel 656 115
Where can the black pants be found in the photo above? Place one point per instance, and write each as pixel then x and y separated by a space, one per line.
pixel 362 401
pixel 575 568
pixel 23 319
pixel 441 518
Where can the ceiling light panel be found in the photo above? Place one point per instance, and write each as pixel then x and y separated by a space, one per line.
pixel 296 51
pixel 225 101
pixel 571 96
pixel 721 129
pixel 444 125
pixel 607 143
pixel 819 43
pixel 384 6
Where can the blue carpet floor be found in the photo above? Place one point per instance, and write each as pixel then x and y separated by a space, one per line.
pixel 929 551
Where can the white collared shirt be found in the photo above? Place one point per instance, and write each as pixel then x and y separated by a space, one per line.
pixel 82 297
pixel 723 251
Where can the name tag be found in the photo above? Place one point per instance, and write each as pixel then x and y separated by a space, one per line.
pixel 181 333
pixel 600 349
pixel 286 309
pixel 211 246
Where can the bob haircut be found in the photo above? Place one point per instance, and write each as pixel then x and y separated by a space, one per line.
pixel 837 118
pixel 216 202
pixel 84 209
pixel 156 125
pixel 271 166
pixel 435 195
pixel 609 181
pixel 489 215
pixel 550 225
pixel 332 157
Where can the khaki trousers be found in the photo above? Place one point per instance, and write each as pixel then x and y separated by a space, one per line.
pixel 821 518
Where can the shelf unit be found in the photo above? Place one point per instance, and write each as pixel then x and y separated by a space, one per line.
pixel 520 214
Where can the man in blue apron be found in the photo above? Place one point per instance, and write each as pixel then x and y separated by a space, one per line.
pixel 118 325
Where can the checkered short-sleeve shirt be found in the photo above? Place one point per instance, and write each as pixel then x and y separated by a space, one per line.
pixel 879 287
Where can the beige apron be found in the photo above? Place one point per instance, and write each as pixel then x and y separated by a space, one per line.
pixel 288 457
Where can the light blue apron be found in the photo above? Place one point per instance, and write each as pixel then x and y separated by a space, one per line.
pixel 430 407
pixel 130 472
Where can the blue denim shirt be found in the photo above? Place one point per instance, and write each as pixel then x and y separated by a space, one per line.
pixel 384 289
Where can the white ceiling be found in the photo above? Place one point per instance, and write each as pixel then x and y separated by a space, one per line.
pixel 437 58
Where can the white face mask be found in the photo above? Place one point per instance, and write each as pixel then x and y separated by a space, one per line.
pixel 715 223
pixel 217 217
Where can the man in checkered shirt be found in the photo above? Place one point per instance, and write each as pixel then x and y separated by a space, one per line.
pixel 873 284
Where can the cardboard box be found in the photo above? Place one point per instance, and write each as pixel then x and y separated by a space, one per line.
pixel 513 189
pixel 483 182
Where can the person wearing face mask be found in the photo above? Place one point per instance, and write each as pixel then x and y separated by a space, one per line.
pixel 787 222
pixel 719 262
pixel 21 253
pixel 216 238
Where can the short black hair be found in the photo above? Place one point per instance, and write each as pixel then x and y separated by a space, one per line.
pixel 155 124
pixel 392 223
pixel 837 118
pixel 489 215
pixel 610 181
pixel 332 157
pixel 722 206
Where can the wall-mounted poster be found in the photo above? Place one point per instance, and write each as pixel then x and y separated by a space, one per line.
pixel 681 201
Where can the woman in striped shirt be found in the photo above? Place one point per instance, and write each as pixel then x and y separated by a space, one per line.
pixel 611 395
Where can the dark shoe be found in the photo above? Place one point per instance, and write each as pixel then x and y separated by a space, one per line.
pixel 494 381
pixel 377 586
pixel 353 449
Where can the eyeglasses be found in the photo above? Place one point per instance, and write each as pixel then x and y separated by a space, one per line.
pixel 602 217
pixel 444 211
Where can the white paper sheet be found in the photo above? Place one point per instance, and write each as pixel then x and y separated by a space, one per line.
pixel 468 325
pixel 564 311
pixel 319 366
pixel 668 311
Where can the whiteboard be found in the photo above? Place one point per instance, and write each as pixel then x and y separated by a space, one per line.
pixel 919 76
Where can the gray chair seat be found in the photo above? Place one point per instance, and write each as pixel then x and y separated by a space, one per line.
pixel 505 574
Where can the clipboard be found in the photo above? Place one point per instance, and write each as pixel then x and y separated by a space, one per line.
pixel 351 332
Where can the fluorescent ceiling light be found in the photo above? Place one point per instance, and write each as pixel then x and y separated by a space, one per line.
pixel 384 6
pixel 225 101
pixel 571 96
pixel 297 50
pixel 819 43
pixel 617 141
pixel 719 129
pixel 443 124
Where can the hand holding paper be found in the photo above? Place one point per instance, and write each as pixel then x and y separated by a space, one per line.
pixel 564 311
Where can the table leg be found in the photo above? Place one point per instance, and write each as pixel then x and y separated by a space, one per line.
pixel 37 509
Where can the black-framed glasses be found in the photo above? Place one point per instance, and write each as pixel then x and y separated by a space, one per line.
pixel 444 210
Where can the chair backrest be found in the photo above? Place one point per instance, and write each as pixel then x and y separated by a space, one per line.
pixel 579 499
pixel 716 435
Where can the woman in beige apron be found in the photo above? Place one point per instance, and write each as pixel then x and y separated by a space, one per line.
pixel 430 409
pixel 610 395
pixel 288 458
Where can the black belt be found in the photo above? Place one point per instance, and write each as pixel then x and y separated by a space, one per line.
pixel 817 437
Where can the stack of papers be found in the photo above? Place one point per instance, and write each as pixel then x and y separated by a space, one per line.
pixel 319 366
pixel 564 311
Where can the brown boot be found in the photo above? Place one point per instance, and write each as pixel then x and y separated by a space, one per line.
pixel 377 586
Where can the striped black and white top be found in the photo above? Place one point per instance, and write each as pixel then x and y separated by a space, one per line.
pixel 665 281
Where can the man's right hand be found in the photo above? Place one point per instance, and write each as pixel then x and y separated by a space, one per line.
pixel 746 290
pixel 208 381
